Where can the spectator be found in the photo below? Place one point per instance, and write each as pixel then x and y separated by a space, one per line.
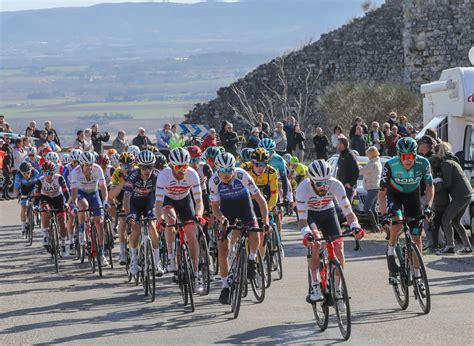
pixel 52 143
pixel 402 127
pixel 223 128
pixel 392 119
pixel 372 173
pixel 210 140
pixel 98 138
pixel 254 138
pixel 163 137
pixel 358 122
pixel 120 143
pixel 176 140
pixel 279 136
pixel 79 141
pixel 289 128
pixel 6 167
pixel 321 144
pixel 299 146
pixel 4 127
pixel 19 155
pixel 36 131
pixel 425 146
pixel 391 142
pixel 48 127
pixel 347 168
pixel 337 133
pixel 440 203
pixel 358 142
pixel 28 136
pixel 263 126
pixel 410 129
pixel 230 139
pixel 376 137
pixel 433 134
pixel 460 191
pixel 141 140
pixel 42 138
pixel 88 145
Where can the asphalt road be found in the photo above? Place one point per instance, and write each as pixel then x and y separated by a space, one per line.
pixel 41 307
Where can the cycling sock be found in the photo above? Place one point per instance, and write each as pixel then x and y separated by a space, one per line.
pixel 252 256
pixel 122 248
pixel 23 226
pixel 45 232
pixel 82 227
pixel 391 250
pixel 225 283
pixel 315 277
pixel 134 252
pixel 170 248
pixel 101 250
pixel 196 266
pixel 156 253
pixel 417 272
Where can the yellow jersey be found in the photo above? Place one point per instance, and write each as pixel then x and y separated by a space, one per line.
pixel 267 182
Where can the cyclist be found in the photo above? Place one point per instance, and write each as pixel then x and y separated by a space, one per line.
pixel 297 172
pixel 68 168
pixel 51 192
pixel 210 155
pixel 160 162
pixel 86 181
pixel 115 160
pixel 173 199
pixel 33 158
pixel 139 200
pixel 245 157
pixel 400 191
pixel 315 198
pixel 232 190
pixel 54 158
pixel 104 162
pixel 25 180
pixel 204 171
pixel 116 193
pixel 134 150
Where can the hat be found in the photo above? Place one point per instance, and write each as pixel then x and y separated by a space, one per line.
pixel 427 140
pixel 255 129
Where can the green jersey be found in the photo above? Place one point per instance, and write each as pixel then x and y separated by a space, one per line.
pixel 397 178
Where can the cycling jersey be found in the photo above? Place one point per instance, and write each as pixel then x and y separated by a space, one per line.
pixel 267 182
pixel 80 182
pixel 395 177
pixel 168 185
pixel 56 187
pixel 140 189
pixel 308 199
pixel 118 176
pixel 67 170
pixel 279 164
pixel 20 181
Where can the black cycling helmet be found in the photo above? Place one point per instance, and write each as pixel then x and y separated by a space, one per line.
pixel 25 167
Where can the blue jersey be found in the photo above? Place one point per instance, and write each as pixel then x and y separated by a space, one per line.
pixel 31 181
pixel 241 187
pixel 279 164
pixel 67 173
pixel 140 188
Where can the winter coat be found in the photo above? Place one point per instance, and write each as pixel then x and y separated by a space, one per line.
pixel 372 173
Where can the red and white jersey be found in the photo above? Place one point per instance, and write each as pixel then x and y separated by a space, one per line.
pixel 308 199
pixel 79 180
pixel 168 185
pixel 56 187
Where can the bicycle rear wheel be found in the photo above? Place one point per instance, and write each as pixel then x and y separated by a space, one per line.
pixel 258 284
pixel 204 267
pixel 127 265
pixel 420 284
pixel 77 245
pixel 54 244
pixel 163 251
pixel 320 308
pixel 341 300
pixel 109 240
pixel 213 251
pixel 267 264
pixel 276 253
pixel 149 270
pixel 95 244
pixel 31 225
pixel 188 280
pixel 239 280
pixel 400 287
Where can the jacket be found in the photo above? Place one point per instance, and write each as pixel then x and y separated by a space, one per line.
pixel 229 141
pixel 97 139
pixel 370 138
pixel 120 145
pixel 299 140
pixel 372 173
pixel 347 168
pixel 280 140
pixel 454 180
pixel 441 197
pixel 142 142
pixel 321 144
pixel 208 142
pixel 359 144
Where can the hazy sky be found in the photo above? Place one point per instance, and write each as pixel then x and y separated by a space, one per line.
pixel 16 5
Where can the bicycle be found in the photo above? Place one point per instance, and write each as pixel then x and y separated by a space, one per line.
pixel 204 269
pixel 333 288
pixel 109 238
pixel 91 248
pixel 237 277
pixel 274 250
pixel 30 219
pixel 213 248
pixel 53 247
pixel 407 255
pixel 146 260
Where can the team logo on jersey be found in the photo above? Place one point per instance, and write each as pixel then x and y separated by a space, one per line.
pixel 240 175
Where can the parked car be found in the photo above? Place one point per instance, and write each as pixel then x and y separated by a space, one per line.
pixel 360 194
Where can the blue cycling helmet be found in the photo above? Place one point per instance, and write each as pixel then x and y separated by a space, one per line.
pixel 211 153
pixel 267 143
pixel 246 154
pixel 406 145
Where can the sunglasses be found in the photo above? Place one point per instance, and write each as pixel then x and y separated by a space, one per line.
pixel 226 170
pixel 210 160
pixel 408 156
pixel 48 174
pixel 259 164
pixel 195 160
pixel 321 184
pixel 146 167
pixel 180 168
pixel 125 167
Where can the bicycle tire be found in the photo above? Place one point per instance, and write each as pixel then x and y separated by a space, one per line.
pixel 95 244
pixel 127 265
pixel 150 272
pixel 163 252
pixel 320 308
pixel 277 262
pixel 424 302
pixel 77 244
pixel 54 245
pixel 213 250
pixel 204 262
pixel 109 241
pixel 343 316
pixel 31 225
pixel 400 289
pixel 181 276
pixel 258 284
pixel 188 275
pixel 267 265
pixel 238 283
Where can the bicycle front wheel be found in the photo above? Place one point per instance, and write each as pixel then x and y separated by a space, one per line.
pixel 149 272
pixel 258 284
pixel 204 267
pixel 31 225
pixel 320 308
pixel 188 276
pixel 341 299
pixel 95 244
pixel 420 282
pixel 277 250
pixel 400 287
pixel 54 245
pixel 109 241
pixel 239 280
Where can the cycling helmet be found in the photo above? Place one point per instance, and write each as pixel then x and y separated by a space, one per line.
pixel 76 154
pixel 87 158
pixel 146 157
pixel 287 157
pixel 260 154
pixel 127 158
pixel 48 166
pixel 406 145
pixel 46 150
pixel 179 156
pixel 152 148
pixel 194 151
pixel 294 160
pixel 111 151
pixel 211 153
pixel 319 170
pixel 25 167
pixel 31 151
pixel 103 160
pixel 133 149
pixel 96 155
pixel 246 154
pixel 66 158
pixel 115 159
pixel 53 157
pixel 160 160
pixel 225 160
pixel 267 143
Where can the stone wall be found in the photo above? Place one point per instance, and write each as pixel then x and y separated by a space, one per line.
pixel 403 41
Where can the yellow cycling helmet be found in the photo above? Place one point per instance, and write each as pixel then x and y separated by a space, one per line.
pixel 260 154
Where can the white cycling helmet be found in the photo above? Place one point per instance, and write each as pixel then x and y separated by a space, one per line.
pixel 75 154
pixel 31 151
pixel 87 158
pixel 319 170
pixel 179 156
pixel 52 157
pixel 96 155
pixel 115 159
pixel 133 149
pixel 225 160
pixel 66 158
pixel 287 157
pixel 146 157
